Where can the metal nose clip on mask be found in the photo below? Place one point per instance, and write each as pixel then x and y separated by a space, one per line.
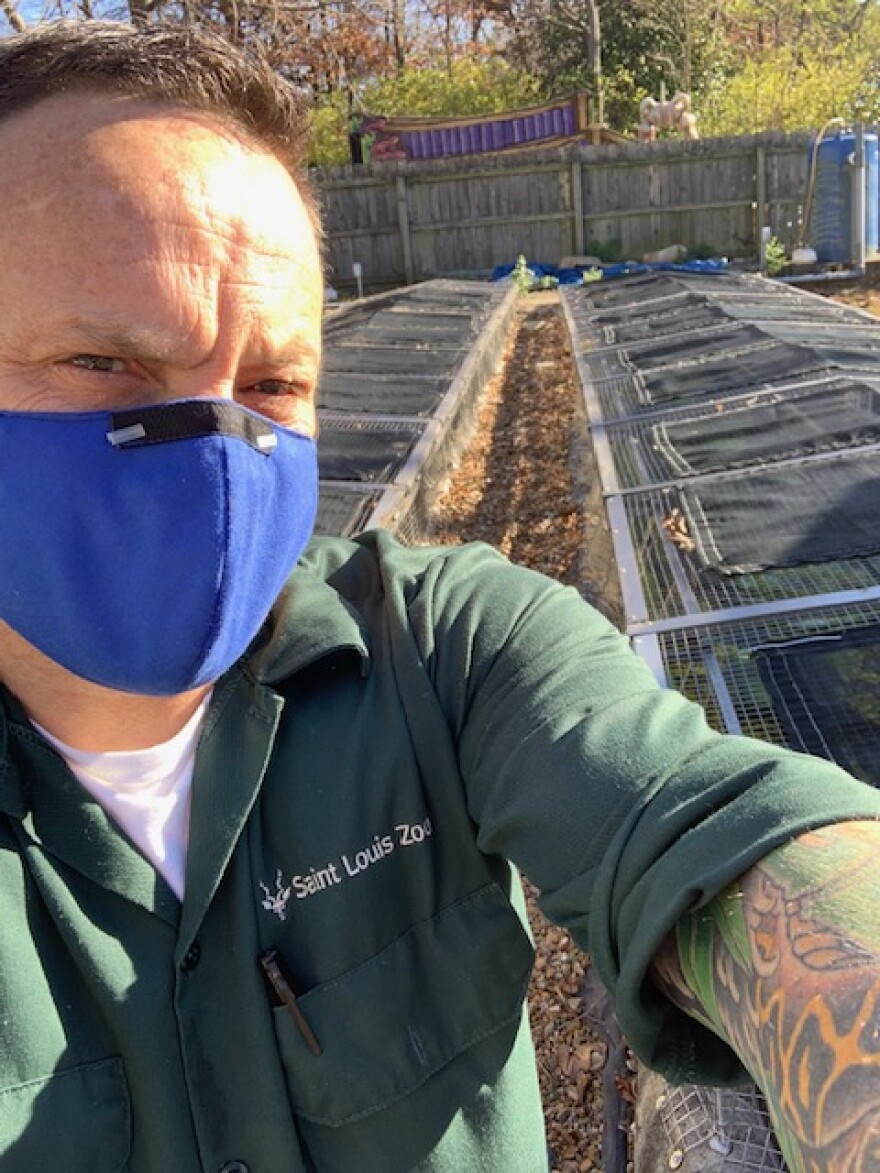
pixel 143 549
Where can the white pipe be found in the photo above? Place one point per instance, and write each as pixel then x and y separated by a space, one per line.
pixel 857 181
pixel 810 278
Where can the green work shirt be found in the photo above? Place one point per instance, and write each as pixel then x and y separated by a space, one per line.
pixel 409 721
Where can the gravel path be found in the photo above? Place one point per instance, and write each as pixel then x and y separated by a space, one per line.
pixel 527 485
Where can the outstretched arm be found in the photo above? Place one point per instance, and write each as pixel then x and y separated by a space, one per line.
pixel 785 965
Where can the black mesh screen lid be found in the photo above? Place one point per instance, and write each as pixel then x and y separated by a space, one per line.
pixel 635 327
pixel 783 516
pixel 860 337
pixel 863 357
pixel 629 290
pixel 449 294
pixel 726 374
pixel 826 693
pixel 391 360
pixel 775 428
pixel 778 309
pixel 377 394
pixel 684 347
pixel 393 328
pixel 672 302
pixel 343 514
pixel 363 454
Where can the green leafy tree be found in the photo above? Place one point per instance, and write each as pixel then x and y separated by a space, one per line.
pixel 828 67
pixel 672 42
pixel 647 45
pixel 329 138
pixel 469 86
pixel 791 66
pixel 804 26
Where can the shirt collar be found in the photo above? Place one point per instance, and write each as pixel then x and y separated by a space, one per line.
pixel 310 620
pixel 13 799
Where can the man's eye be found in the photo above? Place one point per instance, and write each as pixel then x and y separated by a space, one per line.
pixel 98 362
pixel 274 387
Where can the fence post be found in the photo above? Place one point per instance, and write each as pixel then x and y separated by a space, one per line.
pixel 760 190
pixel 577 206
pixel 405 235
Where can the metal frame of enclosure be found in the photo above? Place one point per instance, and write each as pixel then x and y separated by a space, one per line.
pixel 699 630
pixel 401 385
pixel 694 628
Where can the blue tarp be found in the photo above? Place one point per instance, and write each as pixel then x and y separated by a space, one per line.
pixel 621 269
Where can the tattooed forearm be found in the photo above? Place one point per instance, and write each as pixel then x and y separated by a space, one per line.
pixel 786 967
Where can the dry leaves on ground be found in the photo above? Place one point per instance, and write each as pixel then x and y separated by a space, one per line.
pixel 517 487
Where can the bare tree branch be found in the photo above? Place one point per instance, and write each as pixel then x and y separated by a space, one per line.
pixel 11 13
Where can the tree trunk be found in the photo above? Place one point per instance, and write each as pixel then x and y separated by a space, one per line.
pixel 447 34
pixel 398 27
pixel 594 50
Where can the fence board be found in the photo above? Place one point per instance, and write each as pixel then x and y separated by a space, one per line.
pixel 414 220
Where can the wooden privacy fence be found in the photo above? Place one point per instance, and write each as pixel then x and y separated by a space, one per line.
pixel 409 221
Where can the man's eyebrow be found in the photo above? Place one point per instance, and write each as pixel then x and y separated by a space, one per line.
pixel 125 341
pixel 158 345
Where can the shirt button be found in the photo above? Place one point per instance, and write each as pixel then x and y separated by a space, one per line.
pixel 234 1167
pixel 189 961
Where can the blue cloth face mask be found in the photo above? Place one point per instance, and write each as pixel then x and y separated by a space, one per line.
pixel 143 549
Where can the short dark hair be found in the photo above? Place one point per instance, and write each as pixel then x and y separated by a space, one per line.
pixel 180 65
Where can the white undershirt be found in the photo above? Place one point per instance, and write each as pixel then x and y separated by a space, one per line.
pixel 146 792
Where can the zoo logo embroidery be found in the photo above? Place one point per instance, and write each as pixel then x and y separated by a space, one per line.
pixel 276 901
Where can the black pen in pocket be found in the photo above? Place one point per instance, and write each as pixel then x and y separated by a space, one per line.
pixel 272 965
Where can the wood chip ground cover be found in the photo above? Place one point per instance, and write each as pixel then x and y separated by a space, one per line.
pixel 526 485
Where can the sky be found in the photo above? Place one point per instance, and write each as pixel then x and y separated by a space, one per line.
pixel 31 10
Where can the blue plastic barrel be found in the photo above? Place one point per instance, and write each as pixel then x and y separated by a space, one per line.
pixel 831 233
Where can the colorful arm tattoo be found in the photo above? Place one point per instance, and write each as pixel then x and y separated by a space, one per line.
pixel 786 967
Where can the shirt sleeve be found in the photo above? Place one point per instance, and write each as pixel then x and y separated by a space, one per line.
pixel 613 795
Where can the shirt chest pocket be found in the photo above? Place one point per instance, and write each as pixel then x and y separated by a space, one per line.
pixel 399 1019
pixel 76 1121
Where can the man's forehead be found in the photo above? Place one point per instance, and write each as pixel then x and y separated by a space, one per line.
pixel 158 220
pixel 83 157
pixel 67 118
pixel 88 135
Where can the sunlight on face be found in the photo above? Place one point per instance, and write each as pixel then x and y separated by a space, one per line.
pixel 150 254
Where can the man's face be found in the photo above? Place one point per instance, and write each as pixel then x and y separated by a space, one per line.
pixel 148 254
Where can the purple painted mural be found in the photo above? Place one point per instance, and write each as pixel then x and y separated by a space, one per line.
pixel 376 138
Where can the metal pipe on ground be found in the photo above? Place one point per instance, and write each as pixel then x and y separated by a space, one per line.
pixel 815 278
